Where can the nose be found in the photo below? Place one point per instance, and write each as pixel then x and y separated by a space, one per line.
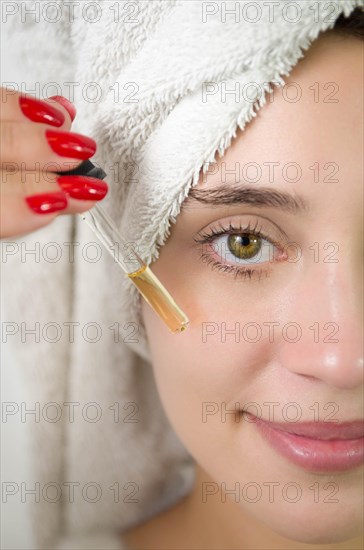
pixel 327 307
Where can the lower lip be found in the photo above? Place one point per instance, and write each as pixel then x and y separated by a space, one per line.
pixel 315 455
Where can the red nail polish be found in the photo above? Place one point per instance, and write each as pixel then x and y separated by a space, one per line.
pixel 66 104
pixel 46 203
pixel 83 187
pixel 68 144
pixel 40 111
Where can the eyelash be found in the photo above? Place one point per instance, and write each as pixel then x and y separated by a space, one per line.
pixel 233 230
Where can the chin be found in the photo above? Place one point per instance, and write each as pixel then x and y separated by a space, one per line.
pixel 323 537
pixel 322 530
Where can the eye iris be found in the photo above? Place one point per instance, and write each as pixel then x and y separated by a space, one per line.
pixel 244 245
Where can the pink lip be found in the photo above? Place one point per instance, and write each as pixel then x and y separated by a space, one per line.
pixel 316 446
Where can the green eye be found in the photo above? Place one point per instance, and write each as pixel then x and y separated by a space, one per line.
pixel 244 245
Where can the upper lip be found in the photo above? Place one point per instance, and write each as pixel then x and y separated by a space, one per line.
pixel 319 430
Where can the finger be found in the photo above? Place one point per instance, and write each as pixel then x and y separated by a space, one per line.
pixel 31 200
pixel 82 192
pixel 17 216
pixel 64 103
pixel 38 147
pixel 56 111
pixel 17 219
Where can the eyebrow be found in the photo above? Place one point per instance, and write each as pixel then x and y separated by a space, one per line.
pixel 261 197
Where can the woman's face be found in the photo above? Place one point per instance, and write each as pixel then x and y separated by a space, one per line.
pixel 283 342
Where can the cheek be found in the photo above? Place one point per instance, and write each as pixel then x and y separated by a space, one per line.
pixel 200 374
pixel 224 349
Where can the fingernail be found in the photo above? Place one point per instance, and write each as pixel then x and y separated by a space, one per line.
pixel 83 187
pixel 66 104
pixel 46 203
pixel 40 111
pixel 68 144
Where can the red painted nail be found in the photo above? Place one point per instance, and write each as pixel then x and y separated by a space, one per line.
pixel 83 187
pixel 68 144
pixel 66 104
pixel 46 203
pixel 40 111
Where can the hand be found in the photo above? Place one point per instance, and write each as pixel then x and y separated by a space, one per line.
pixel 36 143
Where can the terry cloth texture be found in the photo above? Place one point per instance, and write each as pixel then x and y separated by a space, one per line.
pixel 146 78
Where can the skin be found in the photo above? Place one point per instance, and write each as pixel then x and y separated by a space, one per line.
pixel 25 157
pixel 190 372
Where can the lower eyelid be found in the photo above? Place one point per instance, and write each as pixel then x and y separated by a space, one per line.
pixel 236 271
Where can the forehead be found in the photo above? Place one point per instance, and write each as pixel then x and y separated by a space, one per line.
pixel 313 122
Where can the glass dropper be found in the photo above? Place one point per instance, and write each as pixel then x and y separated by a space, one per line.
pixel 138 272
pixel 149 286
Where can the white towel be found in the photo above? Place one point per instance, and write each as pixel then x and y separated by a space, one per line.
pixel 159 68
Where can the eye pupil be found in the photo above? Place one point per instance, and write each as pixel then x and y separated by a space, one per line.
pixel 244 245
